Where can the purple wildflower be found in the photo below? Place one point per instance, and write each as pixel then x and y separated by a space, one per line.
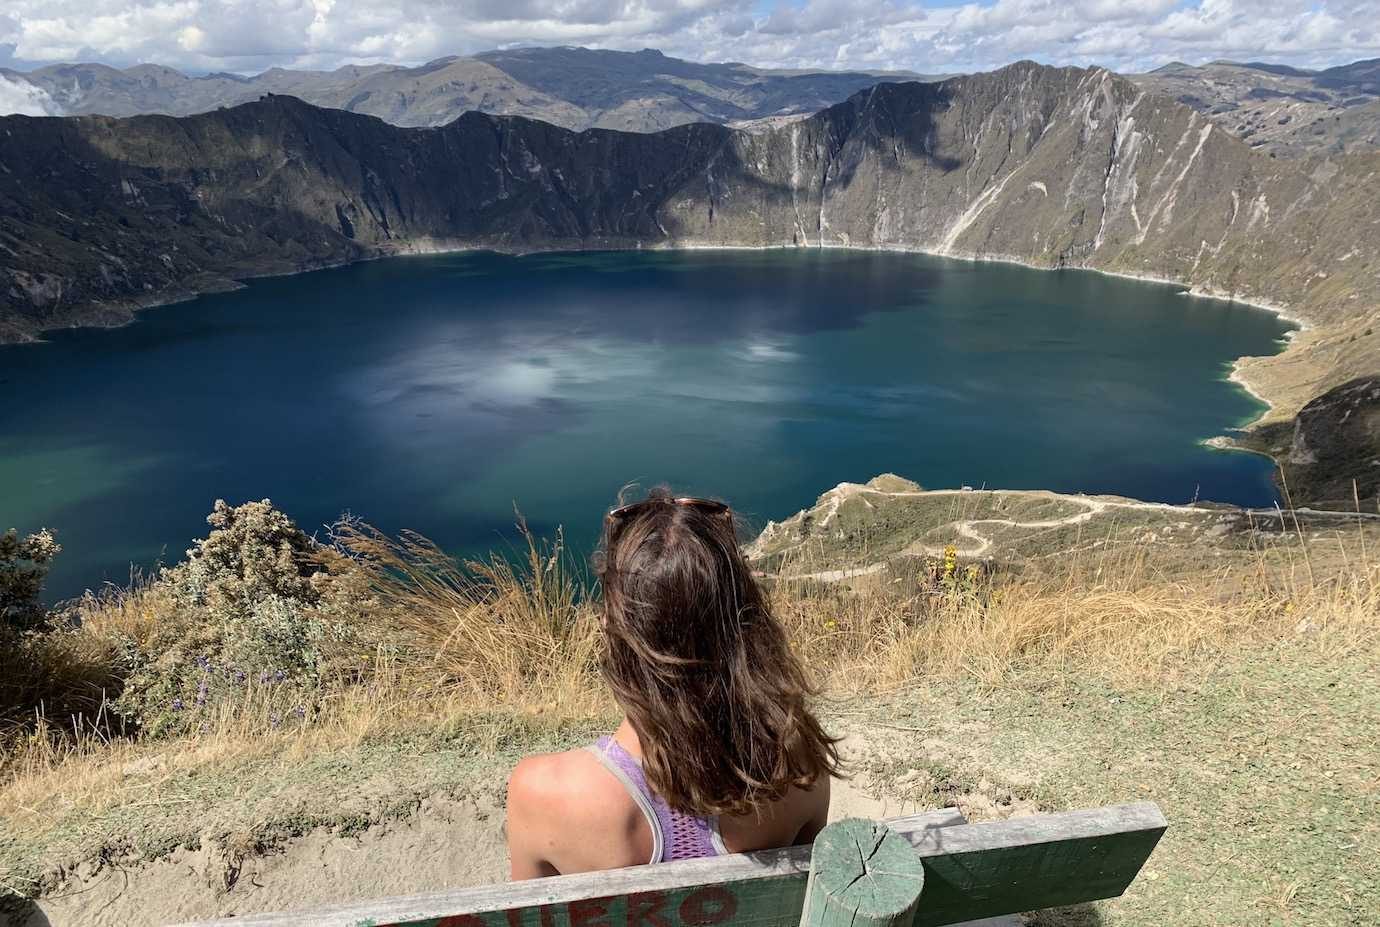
pixel 177 704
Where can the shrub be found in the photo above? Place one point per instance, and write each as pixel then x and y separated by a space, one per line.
pixel 251 620
pixel 52 671
pixel 24 565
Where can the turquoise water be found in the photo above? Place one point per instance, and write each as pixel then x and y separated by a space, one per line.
pixel 436 393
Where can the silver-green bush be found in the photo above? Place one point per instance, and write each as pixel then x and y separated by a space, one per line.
pixel 254 611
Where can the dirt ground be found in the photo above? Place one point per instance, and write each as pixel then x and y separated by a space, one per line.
pixel 446 843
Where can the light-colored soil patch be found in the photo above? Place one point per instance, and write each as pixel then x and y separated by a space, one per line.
pixel 448 843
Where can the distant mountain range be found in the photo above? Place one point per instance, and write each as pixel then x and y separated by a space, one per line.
pixel 1282 110
pixel 577 88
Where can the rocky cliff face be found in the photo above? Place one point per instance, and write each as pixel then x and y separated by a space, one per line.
pixel 1057 167
pixel 99 216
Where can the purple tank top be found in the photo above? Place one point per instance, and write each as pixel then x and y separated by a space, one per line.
pixel 674 835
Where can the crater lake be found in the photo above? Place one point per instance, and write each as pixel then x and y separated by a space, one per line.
pixel 440 393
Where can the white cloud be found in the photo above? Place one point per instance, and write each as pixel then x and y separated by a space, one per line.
pixel 251 35
pixel 24 99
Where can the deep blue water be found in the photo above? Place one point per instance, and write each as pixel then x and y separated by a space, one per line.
pixel 436 393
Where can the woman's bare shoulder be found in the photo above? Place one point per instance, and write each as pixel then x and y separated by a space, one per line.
pixel 566 813
pixel 570 782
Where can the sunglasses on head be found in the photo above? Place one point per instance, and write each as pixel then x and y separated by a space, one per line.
pixel 708 506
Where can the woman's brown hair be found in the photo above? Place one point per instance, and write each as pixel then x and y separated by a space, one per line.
pixel 700 665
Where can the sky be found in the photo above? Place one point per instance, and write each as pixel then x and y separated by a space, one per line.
pixel 925 36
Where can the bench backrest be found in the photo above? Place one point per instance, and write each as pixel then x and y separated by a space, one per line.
pixel 971 871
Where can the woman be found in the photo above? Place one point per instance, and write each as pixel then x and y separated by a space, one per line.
pixel 717 751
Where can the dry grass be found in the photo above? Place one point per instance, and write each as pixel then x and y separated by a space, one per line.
pixel 1127 630
pixel 466 642
pixel 493 634
pixel 65 678
pixel 47 775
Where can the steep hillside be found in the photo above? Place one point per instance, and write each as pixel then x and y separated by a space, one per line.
pixel 103 215
pixel 1056 167
pixel 1281 110
pixel 578 88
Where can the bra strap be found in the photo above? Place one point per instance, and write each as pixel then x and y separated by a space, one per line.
pixel 604 751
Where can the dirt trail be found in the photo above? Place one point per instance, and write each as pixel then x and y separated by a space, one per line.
pixel 969 529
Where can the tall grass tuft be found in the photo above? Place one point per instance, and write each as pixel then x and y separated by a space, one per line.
pixel 521 633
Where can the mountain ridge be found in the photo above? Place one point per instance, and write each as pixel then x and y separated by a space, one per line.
pixel 1282 110
pixel 574 87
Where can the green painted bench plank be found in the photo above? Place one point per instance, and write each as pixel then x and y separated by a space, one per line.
pixel 971 871
pixel 1027 864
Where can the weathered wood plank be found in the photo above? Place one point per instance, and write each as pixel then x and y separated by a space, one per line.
pixel 1027 864
pixel 862 875
pixel 971 871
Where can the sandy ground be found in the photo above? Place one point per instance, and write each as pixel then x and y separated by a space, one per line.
pixel 448 843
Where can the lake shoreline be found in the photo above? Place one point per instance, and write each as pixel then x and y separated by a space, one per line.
pixel 430 247
pixel 434 247
pixel 1285 313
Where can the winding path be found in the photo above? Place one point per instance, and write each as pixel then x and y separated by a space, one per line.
pixel 967 528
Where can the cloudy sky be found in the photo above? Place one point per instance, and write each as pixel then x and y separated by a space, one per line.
pixel 919 35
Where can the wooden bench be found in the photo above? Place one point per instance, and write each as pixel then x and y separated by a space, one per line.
pixel 923 870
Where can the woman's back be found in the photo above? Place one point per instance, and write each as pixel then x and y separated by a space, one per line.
pixel 590 809
pixel 718 750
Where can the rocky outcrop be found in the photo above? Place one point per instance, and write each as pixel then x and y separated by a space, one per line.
pixel 1056 167
pixel 1329 454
